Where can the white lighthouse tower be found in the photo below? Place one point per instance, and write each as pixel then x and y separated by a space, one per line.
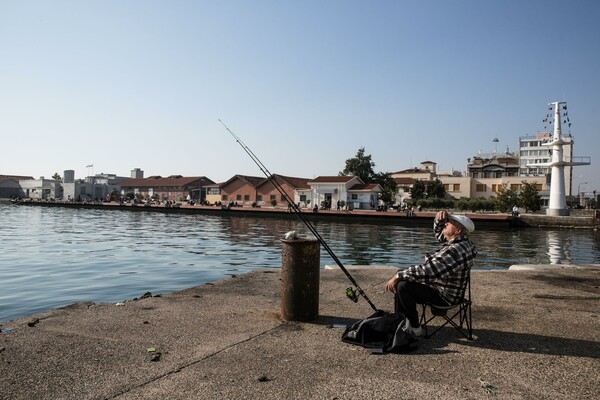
pixel 558 202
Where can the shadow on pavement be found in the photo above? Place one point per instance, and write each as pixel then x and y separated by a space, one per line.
pixel 516 342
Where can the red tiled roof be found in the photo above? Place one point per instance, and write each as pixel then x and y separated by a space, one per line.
pixel 413 171
pixel 165 182
pixel 296 183
pixel 404 181
pixel 333 179
pixel 250 180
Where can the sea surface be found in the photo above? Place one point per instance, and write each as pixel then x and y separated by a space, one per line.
pixel 51 256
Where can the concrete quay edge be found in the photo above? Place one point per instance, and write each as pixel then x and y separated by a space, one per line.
pixel 515 267
pixel 537 336
pixel 420 217
pixel 538 267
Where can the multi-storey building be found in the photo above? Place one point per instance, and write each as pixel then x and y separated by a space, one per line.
pixel 532 150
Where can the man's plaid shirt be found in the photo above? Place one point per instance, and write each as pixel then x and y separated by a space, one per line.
pixel 447 269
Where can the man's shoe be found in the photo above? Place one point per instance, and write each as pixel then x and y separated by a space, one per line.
pixel 418 331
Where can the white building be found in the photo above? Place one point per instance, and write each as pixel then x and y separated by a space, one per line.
pixel 349 189
pixel 41 189
pixel 532 150
pixel 96 187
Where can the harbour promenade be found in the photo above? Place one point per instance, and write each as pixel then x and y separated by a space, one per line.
pixel 586 220
pixel 537 331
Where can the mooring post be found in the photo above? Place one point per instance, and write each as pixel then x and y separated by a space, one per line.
pixel 300 270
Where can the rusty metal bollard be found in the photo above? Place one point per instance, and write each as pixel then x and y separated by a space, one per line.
pixel 300 271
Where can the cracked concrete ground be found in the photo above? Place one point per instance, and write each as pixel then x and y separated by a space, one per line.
pixel 537 336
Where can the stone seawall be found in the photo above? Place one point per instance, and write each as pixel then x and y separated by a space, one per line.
pixel 584 221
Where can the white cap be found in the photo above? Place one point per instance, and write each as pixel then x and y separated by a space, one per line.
pixel 464 221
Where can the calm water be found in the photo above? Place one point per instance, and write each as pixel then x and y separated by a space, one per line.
pixel 51 257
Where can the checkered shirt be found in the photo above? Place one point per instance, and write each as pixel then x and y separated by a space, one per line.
pixel 447 269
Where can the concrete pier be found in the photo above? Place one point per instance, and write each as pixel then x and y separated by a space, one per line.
pixel 537 336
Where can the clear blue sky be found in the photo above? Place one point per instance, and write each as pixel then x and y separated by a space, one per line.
pixel 125 84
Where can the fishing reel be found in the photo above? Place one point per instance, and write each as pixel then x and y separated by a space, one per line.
pixel 351 294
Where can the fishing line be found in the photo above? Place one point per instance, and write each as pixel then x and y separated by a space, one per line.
pixel 351 293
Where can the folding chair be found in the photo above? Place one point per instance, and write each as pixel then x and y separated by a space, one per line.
pixel 460 311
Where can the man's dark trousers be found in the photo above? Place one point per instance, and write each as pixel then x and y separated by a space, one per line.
pixel 409 294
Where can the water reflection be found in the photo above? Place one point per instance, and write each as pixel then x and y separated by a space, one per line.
pixel 557 248
pixel 50 257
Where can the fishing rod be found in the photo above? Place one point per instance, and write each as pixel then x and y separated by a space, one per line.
pixel 351 293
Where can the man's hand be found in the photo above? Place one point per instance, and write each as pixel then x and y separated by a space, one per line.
pixel 390 286
pixel 441 216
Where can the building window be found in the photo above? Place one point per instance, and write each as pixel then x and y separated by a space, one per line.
pixel 515 186
pixel 272 197
pixel 480 187
pixel 282 198
pixel 494 187
pixel 538 186
pixel 238 197
pixel 354 197
pixel 457 187
pixel 259 197
pixel 224 197
pixel 446 187
pixel 246 197
pixel 302 197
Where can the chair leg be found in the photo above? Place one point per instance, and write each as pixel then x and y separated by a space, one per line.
pixel 465 325
pixel 423 320
pixel 466 321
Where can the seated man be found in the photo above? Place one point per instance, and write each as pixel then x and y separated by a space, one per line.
pixel 441 279
pixel 515 211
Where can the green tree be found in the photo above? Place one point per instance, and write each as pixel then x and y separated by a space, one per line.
pixel 529 197
pixel 388 186
pixel 360 165
pixel 435 189
pixel 506 198
pixel 417 191
pixel 56 177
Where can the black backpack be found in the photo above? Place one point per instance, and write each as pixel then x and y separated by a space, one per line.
pixel 381 333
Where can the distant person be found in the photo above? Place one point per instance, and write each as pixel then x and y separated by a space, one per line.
pixel 441 279
pixel 515 211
